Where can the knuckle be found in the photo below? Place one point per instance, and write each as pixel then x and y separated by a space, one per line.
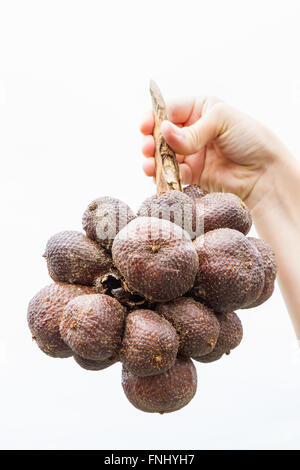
pixel 193 136
pixel 221 109
pixel 209 102
pixel 214 100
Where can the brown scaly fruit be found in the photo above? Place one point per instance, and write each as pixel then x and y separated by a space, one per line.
pixel 270 269
pixel 94 365
pixel 104 218
pixel 174 206
pixel 231 334
pixel 162 393
pixel 156 258
pixel 223 210
pixel 231 273
pixel 74 258
pixel 194 191
pixel 44 312
pixel 150 344
pixel 92 326
pixel 196 325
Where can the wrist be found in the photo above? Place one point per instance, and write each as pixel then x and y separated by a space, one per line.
pixel 276 218
pixel 277 186
pixel 277 208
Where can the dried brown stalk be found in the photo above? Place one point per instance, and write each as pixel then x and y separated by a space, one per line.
pixel 167 167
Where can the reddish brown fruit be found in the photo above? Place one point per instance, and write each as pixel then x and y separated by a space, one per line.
pixel 223 210
pixel 44 312
pixel 162 393
pixel 194 191
pixel 150 344
pixel 74 258
pixel 94 365
pixel 92 326
pixel 156 258
pixel 196 325
pixel 213 356
pixel 231 334
pixel 270 269
pixel 231 273
pixel 104 218
pixel 174 206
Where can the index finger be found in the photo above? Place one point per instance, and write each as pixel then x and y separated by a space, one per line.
pixel 178 111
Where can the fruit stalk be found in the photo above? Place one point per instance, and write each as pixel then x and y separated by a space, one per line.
pixel 167 168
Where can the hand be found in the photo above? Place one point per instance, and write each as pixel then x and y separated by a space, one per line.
pixel 218 147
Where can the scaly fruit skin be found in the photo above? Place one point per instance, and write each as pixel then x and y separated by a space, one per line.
pixel 270 269
pixel 196 325
pixel 194 191
pixel 44 312
pixel 92 326
pixel 223 210
pixel 74 258
pixel 156 258
pixel 104 218
pixel 174 206
pixel 150 344
pixel 162 393
pixel 231 334
pixel 87 364
pixel 230 274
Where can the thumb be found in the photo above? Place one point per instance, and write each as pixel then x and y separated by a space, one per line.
pixel 190 139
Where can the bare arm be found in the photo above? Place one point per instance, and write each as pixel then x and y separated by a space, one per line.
pixel 277 220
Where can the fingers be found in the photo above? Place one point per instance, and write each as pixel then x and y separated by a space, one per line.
pixel 147 124
pixel 149 167
pixel 186 173
pixel 148 147
pixel 198 123
pixel 174 136
pixel 185 170
pixel 190 139
pixel 196 164
pixel 178 112
pixel 181 112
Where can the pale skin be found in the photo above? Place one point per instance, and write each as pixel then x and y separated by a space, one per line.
pixel 222 149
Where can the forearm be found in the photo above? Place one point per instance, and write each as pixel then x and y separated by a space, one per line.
pixel 277 219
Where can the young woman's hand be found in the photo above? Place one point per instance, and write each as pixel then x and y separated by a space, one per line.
pixel 218 148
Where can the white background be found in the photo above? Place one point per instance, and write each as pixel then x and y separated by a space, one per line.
pixel 73 87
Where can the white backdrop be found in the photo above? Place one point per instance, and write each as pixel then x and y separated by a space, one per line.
pixel 73 86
